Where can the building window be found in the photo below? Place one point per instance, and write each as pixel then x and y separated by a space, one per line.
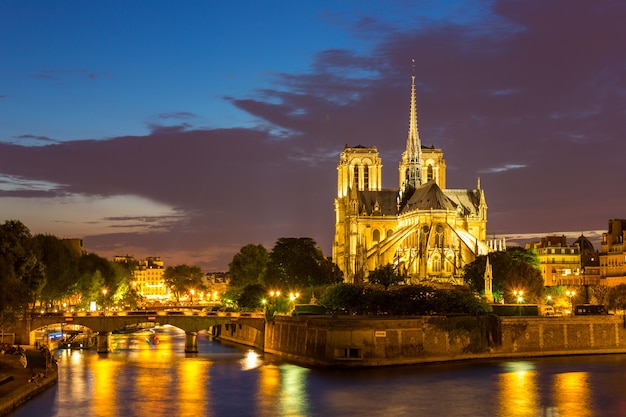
pixel 429 173
pixel 436 264
pixel 366 177
pixel 376 235
pixel 356 176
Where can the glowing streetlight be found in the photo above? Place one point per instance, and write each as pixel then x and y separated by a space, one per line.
pixel 104 297
pixel 293 296
pixel 274 294
pixel 519 295
pixel 571 294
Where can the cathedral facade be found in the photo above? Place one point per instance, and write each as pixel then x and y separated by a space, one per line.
pixel 425 230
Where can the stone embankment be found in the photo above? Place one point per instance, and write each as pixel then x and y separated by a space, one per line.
pixel 18 384
pixel 351 341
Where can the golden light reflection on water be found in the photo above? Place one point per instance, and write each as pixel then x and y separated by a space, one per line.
pixel 293 396
pixel 518 395
pixel 269 388
pixel 572 394
pixel 194 382
pixel 77 389
pixel 282 391
pixel 103 394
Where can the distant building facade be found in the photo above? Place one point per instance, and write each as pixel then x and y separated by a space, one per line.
pixel 148 278
pixel 427 231
pixel 567 264
pixel 558 260
pixel 613 253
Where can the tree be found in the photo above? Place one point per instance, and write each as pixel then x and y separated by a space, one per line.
pixel 252 296
pixel 513 269
pixel 61 266
pixel 248 266
pixel 343 297
pixel 386 276
pixel 181 279
pixel 297 263
pixel 21 272
pixel 95 274
pixel 617 298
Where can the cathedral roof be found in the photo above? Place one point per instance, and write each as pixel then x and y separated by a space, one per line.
pixel 429 197
pixel 382 203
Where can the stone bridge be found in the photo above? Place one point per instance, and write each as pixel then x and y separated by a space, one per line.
pixel 103 325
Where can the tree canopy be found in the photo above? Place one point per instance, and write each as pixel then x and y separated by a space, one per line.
pixel 401 300
pixel 515 269
pixel 248 266
pixel 181 279
pixel 386 276
pixel 298 263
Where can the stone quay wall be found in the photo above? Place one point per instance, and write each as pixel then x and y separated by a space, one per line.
pixel 239 334
pixel 324 341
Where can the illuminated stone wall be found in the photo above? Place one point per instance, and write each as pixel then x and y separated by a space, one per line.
pixel 357 341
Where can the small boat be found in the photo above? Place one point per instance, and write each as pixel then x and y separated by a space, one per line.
pixel 152 339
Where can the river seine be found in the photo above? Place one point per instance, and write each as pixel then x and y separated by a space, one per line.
pixel 143 379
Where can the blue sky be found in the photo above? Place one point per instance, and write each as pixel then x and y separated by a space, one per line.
pixel 188 130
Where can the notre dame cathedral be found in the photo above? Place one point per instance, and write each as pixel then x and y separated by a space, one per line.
pixel 426 231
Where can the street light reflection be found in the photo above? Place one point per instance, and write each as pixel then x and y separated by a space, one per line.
pixel 518 390
pixel 193 387
pixel 571 394
pixel 251 360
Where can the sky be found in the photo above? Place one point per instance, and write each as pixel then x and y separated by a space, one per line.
pixel 187 130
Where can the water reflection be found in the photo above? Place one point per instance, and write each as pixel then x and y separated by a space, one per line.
pixel 293 395
pixel 138 379
pixel 193 388
pixel 268 390
pixel 518 395
pixel 571 394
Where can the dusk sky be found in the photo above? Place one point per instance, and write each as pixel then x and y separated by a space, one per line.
pixel 188 130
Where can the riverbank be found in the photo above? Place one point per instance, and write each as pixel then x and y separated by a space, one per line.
pixel 356 341
pixel 19 384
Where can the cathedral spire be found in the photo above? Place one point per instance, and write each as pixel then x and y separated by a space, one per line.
pixel 412 156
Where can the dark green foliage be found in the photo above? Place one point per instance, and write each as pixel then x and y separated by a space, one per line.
pixel 181 279
pixel 617 298
pixel 252 297
pixel 401 300
pixel 296 263
pixel 513 269
pixel 248 266
pixel 386 276
pixel 61 267
pixel 22 275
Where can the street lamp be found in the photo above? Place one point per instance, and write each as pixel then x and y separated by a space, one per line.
pixel 520 299
pixel 104 298
pixel 571 294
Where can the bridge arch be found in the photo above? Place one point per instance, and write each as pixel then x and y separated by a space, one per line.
pixel 104 325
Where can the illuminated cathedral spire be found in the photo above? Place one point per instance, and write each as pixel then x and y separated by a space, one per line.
pixel 412 156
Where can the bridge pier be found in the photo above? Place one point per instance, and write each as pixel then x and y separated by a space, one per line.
pixel 191 342
pixel 103 342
